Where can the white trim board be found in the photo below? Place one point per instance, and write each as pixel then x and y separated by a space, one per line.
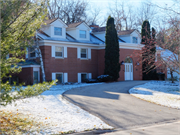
pixel 27 66
pixel 98 47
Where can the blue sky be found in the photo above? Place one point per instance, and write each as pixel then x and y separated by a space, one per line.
pixel 104 4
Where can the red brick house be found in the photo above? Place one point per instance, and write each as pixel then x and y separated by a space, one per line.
pixel 76 51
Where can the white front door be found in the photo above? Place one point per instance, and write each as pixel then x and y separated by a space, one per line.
pixel 128 71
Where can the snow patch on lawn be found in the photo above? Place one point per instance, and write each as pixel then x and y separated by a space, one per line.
pixel 160 92
pixel 57 114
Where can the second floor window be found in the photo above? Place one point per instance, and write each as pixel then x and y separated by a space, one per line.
pixel 82 34
pixel 57 31
pixel 135 40
pixel 58 51
pixel 83 53
pixel 32 53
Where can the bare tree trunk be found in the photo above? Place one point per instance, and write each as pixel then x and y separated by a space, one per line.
pixel 41 60
pixel 41 63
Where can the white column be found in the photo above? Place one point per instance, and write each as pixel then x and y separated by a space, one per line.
pixel 65 77
pixel 52 51
pixel 89 53
pixel 65 52
pixel 79 77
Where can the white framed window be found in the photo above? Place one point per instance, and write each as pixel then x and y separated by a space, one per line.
pixel 135 40
pixel 84 76
pixel 58 31
pixel 36 75
pixel 59 52
pixel 83 53
pixel 32 53
pixel 82 34
pixel 59 77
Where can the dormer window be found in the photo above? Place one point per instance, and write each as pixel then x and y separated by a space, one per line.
pixel 135 40
pixel 32 53
pixel 57 31
pixel 82 34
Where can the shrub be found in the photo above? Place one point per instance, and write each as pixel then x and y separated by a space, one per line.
pixel 91 80
pixel 104 78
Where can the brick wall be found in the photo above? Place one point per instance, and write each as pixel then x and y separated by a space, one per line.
pixel 71 65
pixel 26 76
pixel 137 69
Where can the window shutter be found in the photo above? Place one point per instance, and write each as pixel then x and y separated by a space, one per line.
pixel 79 53
pixel 79 77
pixel 27 53
pixel 90 76
pixel 65 77
pixel 89 53
pixel 53 51
pixel 65 52
pixel 53 76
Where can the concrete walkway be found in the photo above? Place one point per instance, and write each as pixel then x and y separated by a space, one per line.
pixel 112 103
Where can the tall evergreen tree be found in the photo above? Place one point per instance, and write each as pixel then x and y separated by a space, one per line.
pixel 145 31
pixel 112 66
pixel 153 46
pixel 148 38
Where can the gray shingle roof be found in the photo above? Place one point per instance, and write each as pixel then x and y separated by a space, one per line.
pixel 50 21
pixel 125 32
pixel 69 38
pixel 28 62
pixel 74 25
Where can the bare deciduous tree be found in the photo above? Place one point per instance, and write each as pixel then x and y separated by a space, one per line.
pixel 145 12
pixel 70 11
pixel 93 16
pixel 123 14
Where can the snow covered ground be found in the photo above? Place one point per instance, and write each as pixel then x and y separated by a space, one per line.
pixel 57 114
pixel 159 92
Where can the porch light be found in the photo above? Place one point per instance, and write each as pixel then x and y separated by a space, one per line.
pixel 122 62
pixel 137 63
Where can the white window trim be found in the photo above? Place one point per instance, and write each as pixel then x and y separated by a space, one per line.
pixel 86 53
pixel 65 77
pixel 133 40
pixel 36 69
pixel 26 53
pixel 89 76
pixel 54 76
pixel 85 34
pixel 29 54
pixel 62 52
pixel 61 31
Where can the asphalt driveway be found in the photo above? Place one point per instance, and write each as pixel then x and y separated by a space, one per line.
pixel 112 103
